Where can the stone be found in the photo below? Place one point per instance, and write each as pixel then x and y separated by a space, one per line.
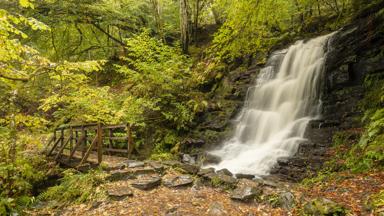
pixel 286 200
pixel 216 209
pixel 244 193
pixel 211 159
pixel 135 164
pixel 193 143
pixel 143 171
pixel 218 180
pixel 116 175
pixel 157 166
pixel 189 168
pixel 206 171
pixel 244 176
pixel 323 206
pixel 225 172
pixel 178 181
pixel 186 158
pixel 119 192
pixel 147 183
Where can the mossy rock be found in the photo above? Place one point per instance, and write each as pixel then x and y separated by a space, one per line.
pixel 323 207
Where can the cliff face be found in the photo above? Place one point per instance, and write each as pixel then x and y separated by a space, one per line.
pixel 354 52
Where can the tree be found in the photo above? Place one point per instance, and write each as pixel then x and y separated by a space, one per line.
pixel 184 25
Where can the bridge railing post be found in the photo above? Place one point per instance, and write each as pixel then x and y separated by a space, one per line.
pixel 99 143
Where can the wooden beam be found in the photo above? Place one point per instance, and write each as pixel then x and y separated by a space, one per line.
pixel 62 147
pixel 99 143
pixel 54 146
pixel 78 143
pixel 88 151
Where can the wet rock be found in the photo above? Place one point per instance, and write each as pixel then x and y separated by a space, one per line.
pixel 206 171
pixel 286 200
pixel 225 172
pixel 216 209
pixel 192 143
pixel 211 159
pixel 220 180
pixel 172 163
pixel 322 206
pixel 244 193
pixel 244 176
pixel 116 175
pixel 135 164
pixel 143 171
pixel 189 168
pixel 147 183
pixel 119 192
pixel 178 181
pixel 158 167
pixel 186 158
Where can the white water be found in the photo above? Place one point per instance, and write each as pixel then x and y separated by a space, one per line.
pixel 277 110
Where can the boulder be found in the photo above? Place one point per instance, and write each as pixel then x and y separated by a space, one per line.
pixel 206 171
pixel 323 206
pixel 225 172
pixel 178 181
pixel 244 176
pixel 211 159
pixel 244 193
pixel 186 158
pixel 219 180
pixel 147 182
pixel 135 164
pixel 116 175
pixel 189 168
pixel 143 171
pixel 157 166
pixel 286 200
pixel 119 192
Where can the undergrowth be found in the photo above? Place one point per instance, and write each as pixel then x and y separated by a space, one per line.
pixel 76 187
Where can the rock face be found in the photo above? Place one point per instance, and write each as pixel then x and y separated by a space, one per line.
pixel 353 53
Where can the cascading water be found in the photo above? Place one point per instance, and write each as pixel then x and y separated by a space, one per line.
pixel 277 110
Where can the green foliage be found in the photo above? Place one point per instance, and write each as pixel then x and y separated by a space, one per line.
pixel 76 187
pixel 17 180
pixel 369 152
pixel 252 27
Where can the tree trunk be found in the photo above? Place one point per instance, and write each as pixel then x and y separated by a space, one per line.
pixel 184 25
pixel 196 20
pixel 158 19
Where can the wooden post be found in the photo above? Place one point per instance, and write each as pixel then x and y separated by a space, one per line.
pixel 130 140
pixel 62 137
pixel 71 140
pixel 84 148
pixel 99 143
pixel 110 144
pixel 54 136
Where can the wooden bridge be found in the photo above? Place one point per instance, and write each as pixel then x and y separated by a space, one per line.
pixel 73 144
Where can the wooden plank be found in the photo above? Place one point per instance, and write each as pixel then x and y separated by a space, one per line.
pixel 54 146
pixel 114 126
pixel 48 144
pixel 62 147
pixel 116 150
pixel 78 143
pixel 88 151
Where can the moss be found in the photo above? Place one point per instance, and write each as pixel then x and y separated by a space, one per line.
pixel 323 206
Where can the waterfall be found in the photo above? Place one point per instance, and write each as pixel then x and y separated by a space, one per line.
pixel 272 122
